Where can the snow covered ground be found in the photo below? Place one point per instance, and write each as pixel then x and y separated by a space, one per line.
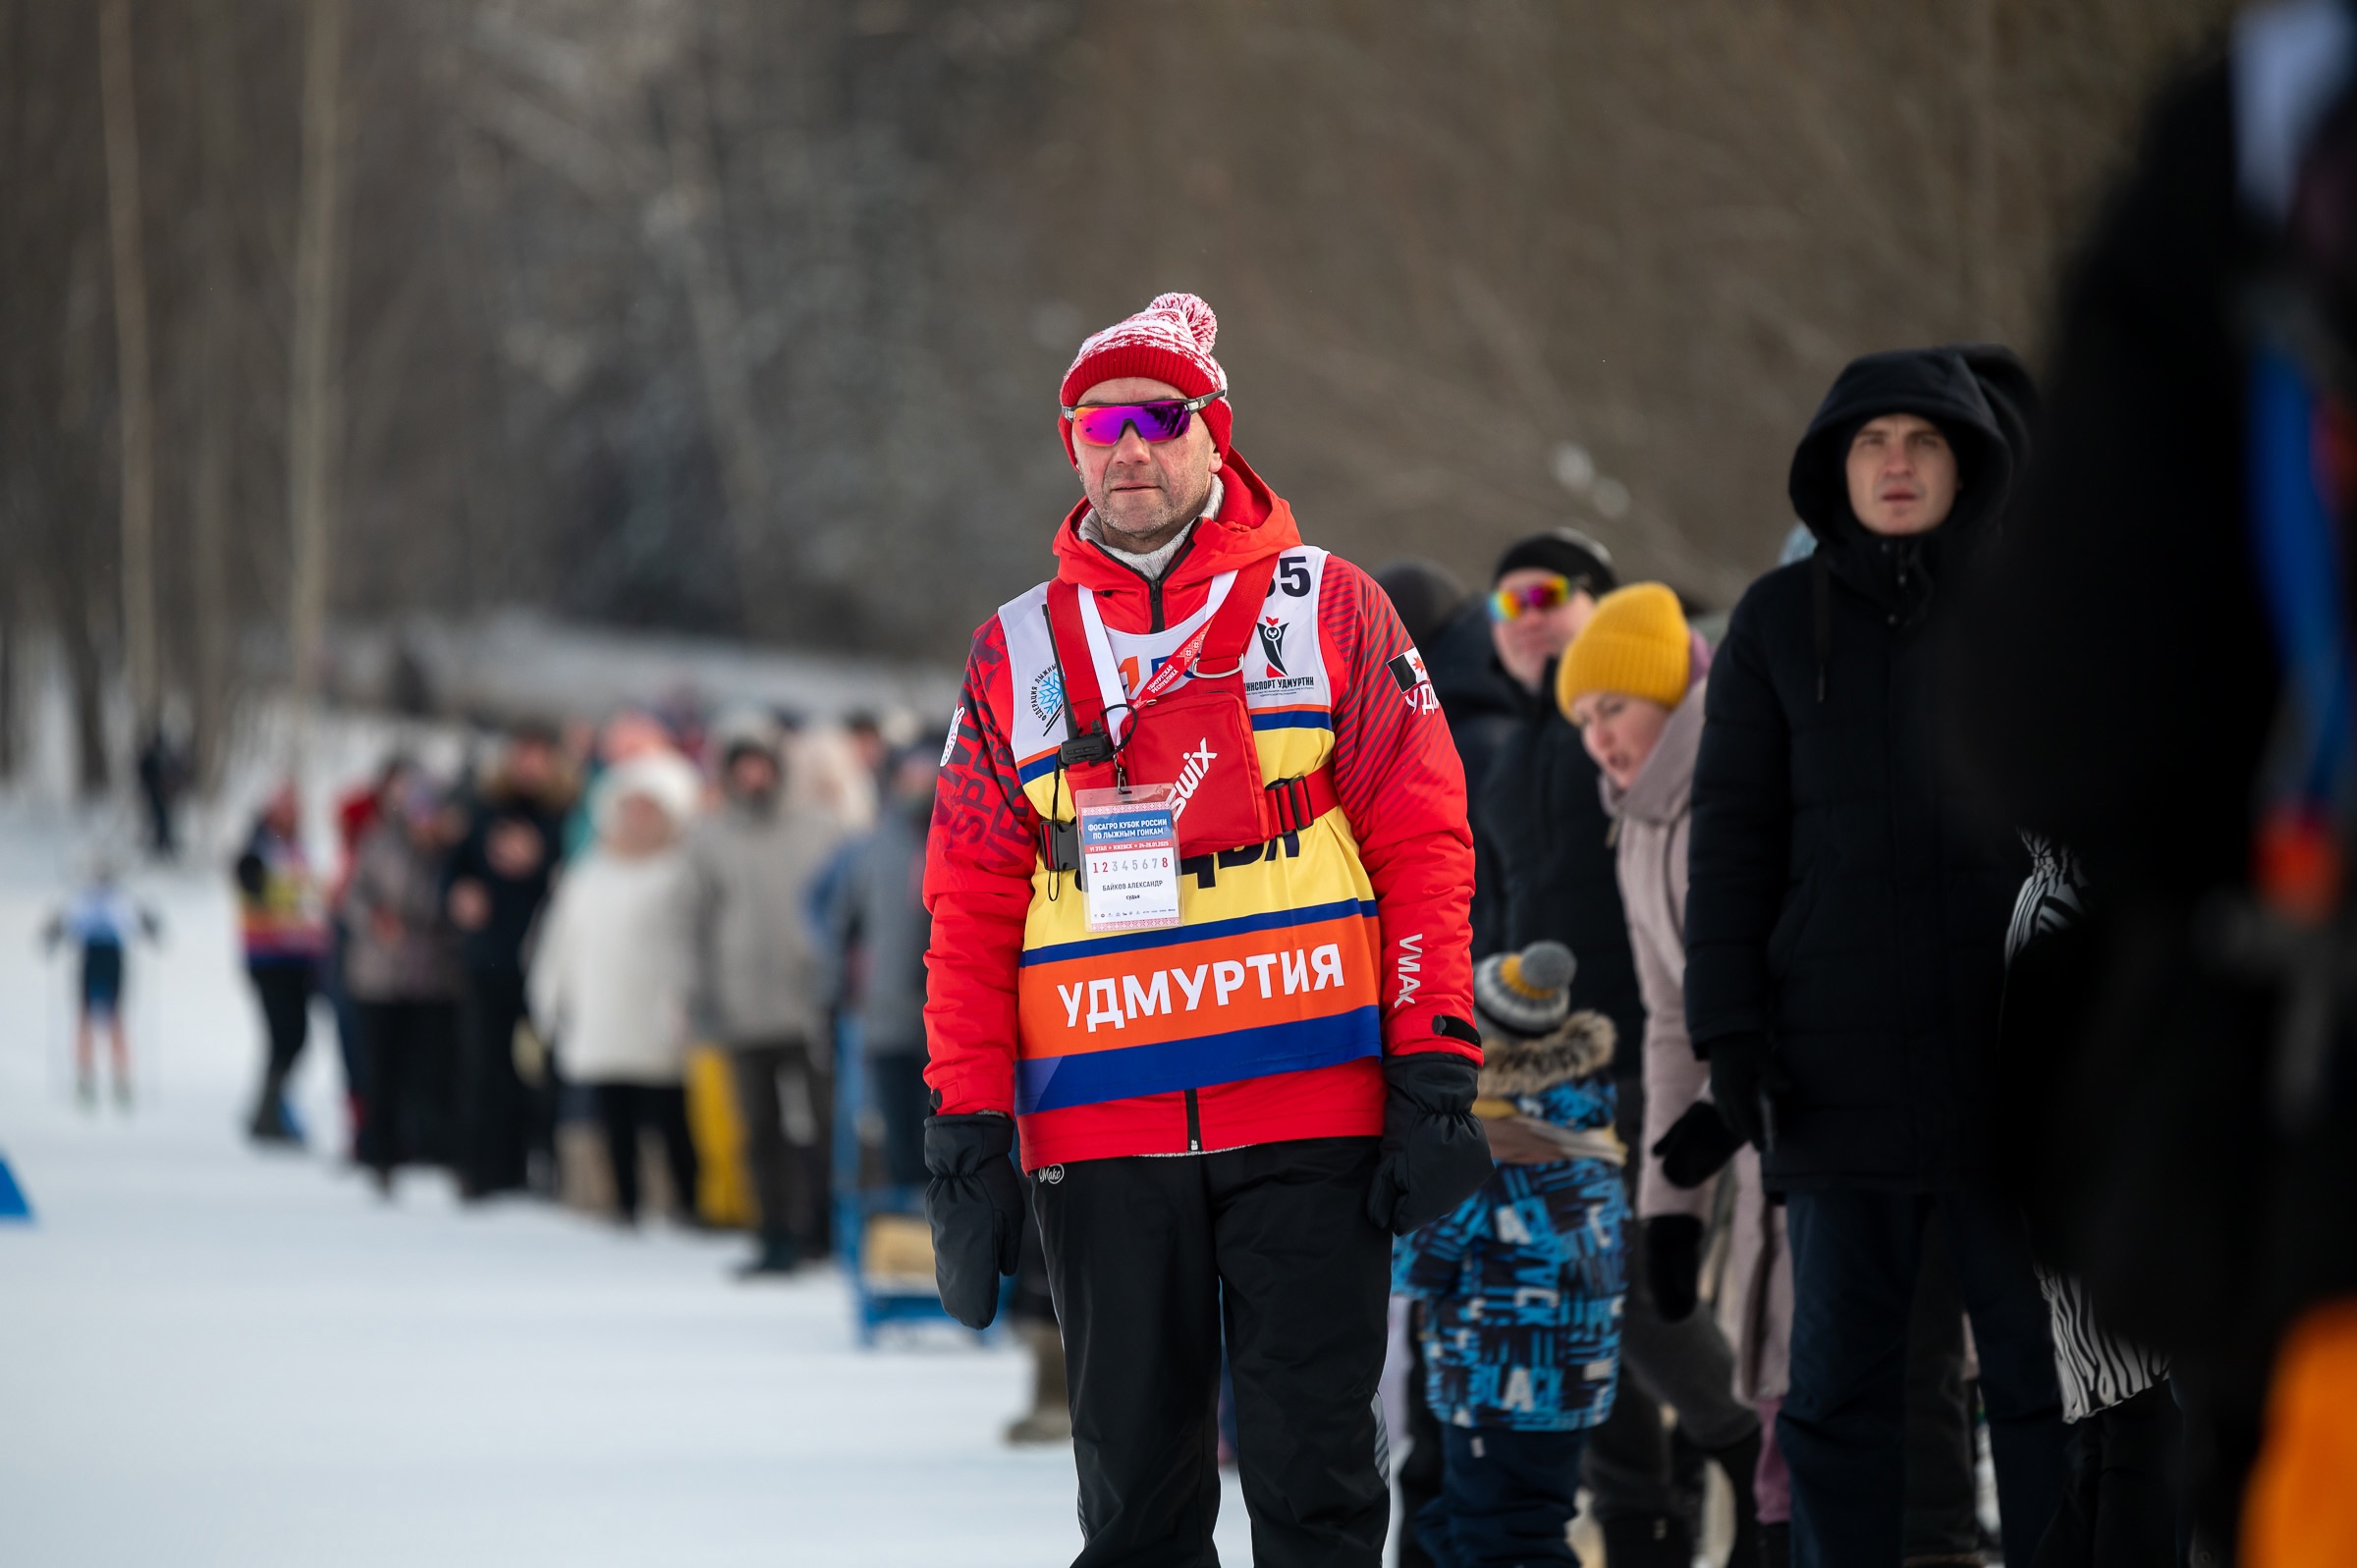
pixel 213 1356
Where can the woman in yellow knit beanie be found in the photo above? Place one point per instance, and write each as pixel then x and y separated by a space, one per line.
pixel 1630 666
pixel 1634 682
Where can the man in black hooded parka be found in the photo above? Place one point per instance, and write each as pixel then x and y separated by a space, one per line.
pixel 1845 951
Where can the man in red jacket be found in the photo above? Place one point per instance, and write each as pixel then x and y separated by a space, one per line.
pixel 1200 876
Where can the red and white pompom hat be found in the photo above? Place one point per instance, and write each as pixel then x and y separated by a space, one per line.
pixel 1168 341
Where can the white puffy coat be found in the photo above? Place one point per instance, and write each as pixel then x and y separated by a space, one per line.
pixel 609 981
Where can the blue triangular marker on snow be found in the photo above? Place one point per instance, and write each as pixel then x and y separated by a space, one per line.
pixel 12 1197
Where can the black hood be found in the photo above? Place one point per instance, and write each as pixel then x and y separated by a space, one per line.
pixel 2011 392
pixel 1936 384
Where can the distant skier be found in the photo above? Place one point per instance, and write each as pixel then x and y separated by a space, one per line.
pixel 102 920
pixel 163 779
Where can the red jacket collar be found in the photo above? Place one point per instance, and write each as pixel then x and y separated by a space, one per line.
pixel 1253 522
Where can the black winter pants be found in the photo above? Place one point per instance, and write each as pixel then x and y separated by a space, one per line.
pixel 1943 1518
pixel 1149 1258
pixel 2120 1507
pixel 496 1108
pixel 407 1045
pixel 624 1110
pixel 787 1172
pixel 1856 1257
pixel 285 993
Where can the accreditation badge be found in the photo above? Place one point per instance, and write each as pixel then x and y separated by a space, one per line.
pixel 1129 856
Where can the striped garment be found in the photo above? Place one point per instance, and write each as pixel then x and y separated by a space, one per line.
pixel 2097 1368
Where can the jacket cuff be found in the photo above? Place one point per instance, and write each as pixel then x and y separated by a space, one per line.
pixel 1410 1030
pixel 971 1093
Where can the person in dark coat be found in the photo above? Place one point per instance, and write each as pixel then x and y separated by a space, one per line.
pixel 1544 863
pixel 1539 826
pixel 1483 705
pixel 1845 932
pixel 874 909
pixel 493 888
pixel 2160 760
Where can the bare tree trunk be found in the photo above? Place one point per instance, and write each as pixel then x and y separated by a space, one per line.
pixel 692 226
pixel 217 435
pixel 315 392
pixel 10 636
pixel 117 103
pixel 74 596
pixel 85 675
pixel 1983 302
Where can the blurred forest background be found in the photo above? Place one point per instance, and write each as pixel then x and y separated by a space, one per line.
pixel 745 316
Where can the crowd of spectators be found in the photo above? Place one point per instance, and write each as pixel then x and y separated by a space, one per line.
pixel 590 944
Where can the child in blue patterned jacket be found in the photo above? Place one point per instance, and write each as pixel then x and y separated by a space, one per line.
pixel 1518 1291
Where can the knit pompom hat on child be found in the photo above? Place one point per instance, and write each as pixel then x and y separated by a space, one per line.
pixel 1168 341
pixel 1524 995
pixel 1636 643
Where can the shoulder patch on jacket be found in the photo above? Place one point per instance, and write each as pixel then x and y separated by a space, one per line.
pixel 1414 684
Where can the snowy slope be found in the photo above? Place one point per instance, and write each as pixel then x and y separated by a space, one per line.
pixel 211 1356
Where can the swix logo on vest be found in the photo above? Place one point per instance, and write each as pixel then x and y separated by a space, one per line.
pixel 1271 645
pixel 1412 969
pixel 1191 776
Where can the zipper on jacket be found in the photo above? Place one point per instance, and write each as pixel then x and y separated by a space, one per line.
pixel 1153 584
pixel 1154 606
pixel 1194 1124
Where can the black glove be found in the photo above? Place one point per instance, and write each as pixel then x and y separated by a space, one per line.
pixel 1673 1264
pixel 1434 1155
pixel 1697 1146
pixel 1741 1081
pixel 975 1205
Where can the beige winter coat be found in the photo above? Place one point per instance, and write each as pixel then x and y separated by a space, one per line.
pixel 1755 1294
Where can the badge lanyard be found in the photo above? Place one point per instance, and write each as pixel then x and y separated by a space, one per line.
pixel 1174 668
pixel 1128 835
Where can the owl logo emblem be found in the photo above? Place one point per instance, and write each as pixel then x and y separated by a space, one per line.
pixel 1271 645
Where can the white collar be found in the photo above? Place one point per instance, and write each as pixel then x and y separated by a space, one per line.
pixel 1154 562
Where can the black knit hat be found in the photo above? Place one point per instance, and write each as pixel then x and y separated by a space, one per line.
pixel 1567 551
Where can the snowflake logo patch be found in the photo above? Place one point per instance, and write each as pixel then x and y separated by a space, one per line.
pixel 1047 698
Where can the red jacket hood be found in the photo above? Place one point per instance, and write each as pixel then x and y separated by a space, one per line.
pixel 1253 522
